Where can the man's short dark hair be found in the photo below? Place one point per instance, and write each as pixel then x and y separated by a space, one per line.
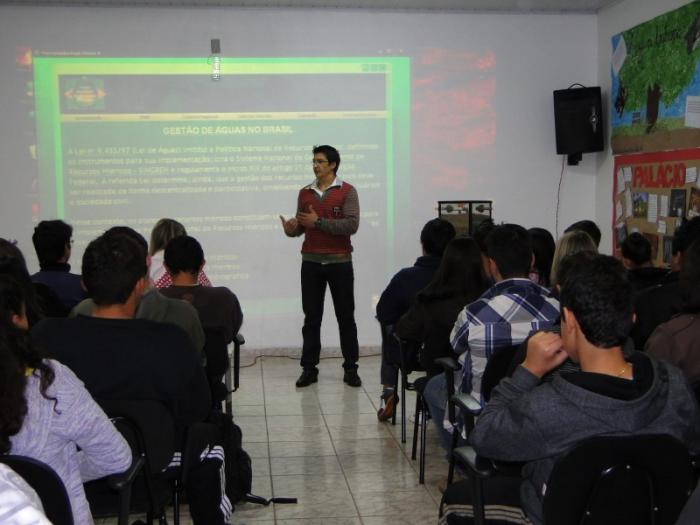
pixel 50 239
pixel 436 235
pixel 112 265
pixel 596 290
pixel 636 248
pixel 129 232
pixel 590 227
pixel 330 153
pixel 510 248
pixel 687 233
pixel 184 254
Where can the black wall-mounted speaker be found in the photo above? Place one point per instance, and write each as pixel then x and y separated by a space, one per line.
pixel 578 120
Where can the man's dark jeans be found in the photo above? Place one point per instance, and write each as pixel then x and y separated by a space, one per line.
pixel 340 279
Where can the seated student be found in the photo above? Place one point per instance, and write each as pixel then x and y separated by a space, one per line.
pixel 543 247
pixel 658 304
pixel 457 282
pixel 568 244
pixel 502 317
pixel 153 305
pixel 119 357
pixel 590 227
pixel 610 395
pixel 217 307
pixel 52 243
pixel 46 412
pixel 41 301
pixel 397 297
pixel 163 232
pixel 636 257
pixel 678 340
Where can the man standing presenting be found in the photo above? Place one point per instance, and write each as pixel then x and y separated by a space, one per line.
pixel 328 213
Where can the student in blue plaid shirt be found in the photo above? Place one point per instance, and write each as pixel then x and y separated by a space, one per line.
pixel 502 317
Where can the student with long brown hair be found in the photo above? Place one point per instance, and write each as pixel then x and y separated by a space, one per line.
pixel 46 413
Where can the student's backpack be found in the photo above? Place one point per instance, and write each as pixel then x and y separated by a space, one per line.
pixel 238 467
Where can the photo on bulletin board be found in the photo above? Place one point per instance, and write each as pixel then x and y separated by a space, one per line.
pixel 694 203
pixel 652 194
pixel 677 203
pixel 640 202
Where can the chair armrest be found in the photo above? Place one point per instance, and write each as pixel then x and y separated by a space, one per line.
pixel 239 339
pixel 447 364
pixel 485 467
pixel 467 403
pixel 120 481
pixel 481 467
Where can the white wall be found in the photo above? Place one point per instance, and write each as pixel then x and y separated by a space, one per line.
pixel 519 170
pixel 620 17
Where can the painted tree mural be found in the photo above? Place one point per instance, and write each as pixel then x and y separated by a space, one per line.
pixel 661 60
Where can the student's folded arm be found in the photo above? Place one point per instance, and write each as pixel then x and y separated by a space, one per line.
pixel 103 450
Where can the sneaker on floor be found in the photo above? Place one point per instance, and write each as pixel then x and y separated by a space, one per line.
pixel 387 405
pixel 307 377
pixel 351 378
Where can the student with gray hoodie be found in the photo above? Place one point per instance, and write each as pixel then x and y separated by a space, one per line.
pixel 533 422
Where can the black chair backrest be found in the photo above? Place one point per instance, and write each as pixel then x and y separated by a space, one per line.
pixel 47 485
pixel 620 480
pixel 496 369
pixel 216 352
pixel 155 424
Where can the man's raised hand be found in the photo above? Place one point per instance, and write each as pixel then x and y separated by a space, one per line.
pixel 544 353
pixel 289 225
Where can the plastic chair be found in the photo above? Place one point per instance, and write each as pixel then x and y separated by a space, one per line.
pixel 47 485
pixel 605 480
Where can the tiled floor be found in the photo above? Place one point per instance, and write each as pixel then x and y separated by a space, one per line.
pixel 323 445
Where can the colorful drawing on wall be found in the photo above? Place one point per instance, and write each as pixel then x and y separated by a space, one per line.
pixel 640 201
pixel 655 95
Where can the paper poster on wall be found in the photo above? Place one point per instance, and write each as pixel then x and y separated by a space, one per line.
pixel 657 197
pixel 655 94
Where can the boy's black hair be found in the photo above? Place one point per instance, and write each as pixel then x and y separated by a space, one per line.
pixel 184 254
pixel 596 290
pixel 112 265
pixel 636 248
pixel 50 239
pixel 687 233
pixel 510 248
pixel 436 235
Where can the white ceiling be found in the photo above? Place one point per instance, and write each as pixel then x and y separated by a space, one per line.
pixel 514 6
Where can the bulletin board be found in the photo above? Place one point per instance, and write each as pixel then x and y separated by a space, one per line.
pixel 652 193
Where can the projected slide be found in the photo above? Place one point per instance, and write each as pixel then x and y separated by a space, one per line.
pixel 128 141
